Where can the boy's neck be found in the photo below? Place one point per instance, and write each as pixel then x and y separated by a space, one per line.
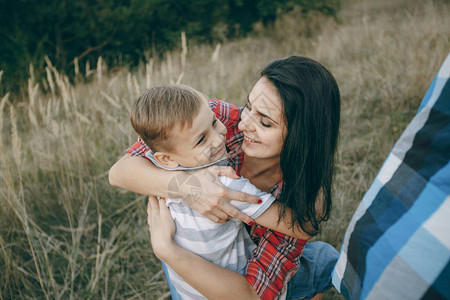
pixel 263 173
pixel 150 155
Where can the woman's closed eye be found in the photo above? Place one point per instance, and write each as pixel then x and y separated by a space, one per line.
pixel 265 123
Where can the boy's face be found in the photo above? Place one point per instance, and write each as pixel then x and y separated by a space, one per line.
pixel 200 144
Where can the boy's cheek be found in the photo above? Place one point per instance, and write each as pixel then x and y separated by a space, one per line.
pixel 204 154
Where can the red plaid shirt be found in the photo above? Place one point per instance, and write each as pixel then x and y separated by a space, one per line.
pixel 277 256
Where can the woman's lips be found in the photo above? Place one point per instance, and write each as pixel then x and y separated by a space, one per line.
pixel 250 141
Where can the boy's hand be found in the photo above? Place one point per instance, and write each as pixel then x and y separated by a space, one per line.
pixel 207 195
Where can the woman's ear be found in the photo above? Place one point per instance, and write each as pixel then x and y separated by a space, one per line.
pixel 165 160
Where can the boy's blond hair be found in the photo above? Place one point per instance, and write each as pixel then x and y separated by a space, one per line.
pixel 160 108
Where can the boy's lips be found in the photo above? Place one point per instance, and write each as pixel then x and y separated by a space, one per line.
pixel 219 152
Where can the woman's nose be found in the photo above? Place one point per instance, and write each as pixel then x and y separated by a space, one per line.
pixel 247 122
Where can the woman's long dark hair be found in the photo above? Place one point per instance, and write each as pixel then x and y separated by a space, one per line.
pixel 311 103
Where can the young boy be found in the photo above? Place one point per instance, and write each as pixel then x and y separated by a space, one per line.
pixel 176 122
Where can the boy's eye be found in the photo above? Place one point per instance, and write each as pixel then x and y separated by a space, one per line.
pixel 202 139
pixel 214 122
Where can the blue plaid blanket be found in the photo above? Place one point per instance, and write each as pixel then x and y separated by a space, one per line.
pixel 397 245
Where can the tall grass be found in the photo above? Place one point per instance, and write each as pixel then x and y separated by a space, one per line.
pixel 67 234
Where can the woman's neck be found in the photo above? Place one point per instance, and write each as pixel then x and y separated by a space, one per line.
pixel 262 173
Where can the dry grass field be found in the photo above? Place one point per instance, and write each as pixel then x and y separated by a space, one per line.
pixel 65 233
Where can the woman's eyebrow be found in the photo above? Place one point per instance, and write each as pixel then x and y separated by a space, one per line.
pixel 260 113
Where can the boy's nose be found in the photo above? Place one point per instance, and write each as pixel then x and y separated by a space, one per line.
pixel 221 129
pixel 218 139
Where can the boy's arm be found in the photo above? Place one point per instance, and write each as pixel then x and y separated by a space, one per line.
pixel 264 214
pixel 269 219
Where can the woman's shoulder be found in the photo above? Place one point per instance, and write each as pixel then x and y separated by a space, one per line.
pixel 138 149
pixel 229 114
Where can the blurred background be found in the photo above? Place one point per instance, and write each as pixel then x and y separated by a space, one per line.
pixel 70 70
pixel 124 32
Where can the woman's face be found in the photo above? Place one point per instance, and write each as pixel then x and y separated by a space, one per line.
pixel 262 121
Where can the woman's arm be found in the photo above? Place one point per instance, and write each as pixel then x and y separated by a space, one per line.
pixel 139 175
pixel 213 281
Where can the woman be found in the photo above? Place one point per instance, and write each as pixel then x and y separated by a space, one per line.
pixel 284 142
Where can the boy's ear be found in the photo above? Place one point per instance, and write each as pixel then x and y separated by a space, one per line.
pixel 165 160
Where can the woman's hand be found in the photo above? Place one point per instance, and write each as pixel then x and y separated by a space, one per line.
pixel 183 262
pixel 161 227
pixel 203 191
pixel 205 194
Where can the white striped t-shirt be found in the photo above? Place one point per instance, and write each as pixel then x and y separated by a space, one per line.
pixel 227 245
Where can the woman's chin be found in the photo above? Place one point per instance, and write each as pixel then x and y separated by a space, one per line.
pixel 259 152
pixel 249 150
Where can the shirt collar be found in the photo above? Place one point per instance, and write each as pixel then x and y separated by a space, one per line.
pixel 150 155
